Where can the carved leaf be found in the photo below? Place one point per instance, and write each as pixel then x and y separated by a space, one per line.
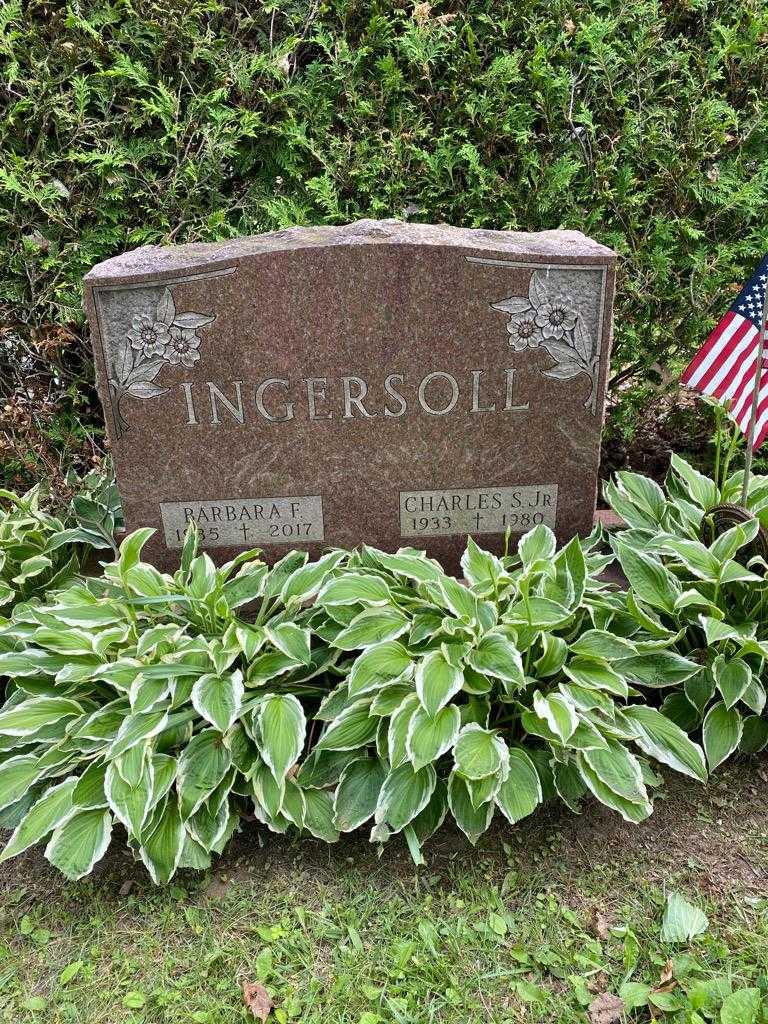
pixel 193 320
pixel 166 308
pixel 559 350
pixel 146 371
pixel 564 371
pixel 537 290
pixel 145 389
pixel 123 362
pixel 514 304
pixel 583 340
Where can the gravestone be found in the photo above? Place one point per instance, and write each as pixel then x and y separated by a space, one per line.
pixel 388 383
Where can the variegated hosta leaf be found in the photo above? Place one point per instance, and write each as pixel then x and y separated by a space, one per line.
pixel 437 680
pixel 162 843
pixel 404 794
pixel 281 729
pixel 430 736
pixel 79 842
pixel 473 821
pixel 478 752
pixel 377 666
pixel 357 793
pixel 520 794
pixel 48 812
pixel 201 766
pixel 217 698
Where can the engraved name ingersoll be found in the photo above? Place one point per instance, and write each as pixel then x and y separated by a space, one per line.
pixel 278 399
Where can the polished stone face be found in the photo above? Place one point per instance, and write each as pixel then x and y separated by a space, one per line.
pixel 387 383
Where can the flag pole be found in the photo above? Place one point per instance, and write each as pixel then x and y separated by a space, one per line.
pixel 755 400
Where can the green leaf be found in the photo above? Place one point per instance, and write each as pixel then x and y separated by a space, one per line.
pixel 355 727
pixel 430 736
pixel 319 815
pixel 473 821
pixel 741 1007
pixel 437 680
pixel 657 668
pixel 413 567
pixel 354 588
pixel 477 752
pixel 538 543
pixel 594 673
pixel 79 842
pixel 305 581
pixel 70 972
pixel 699 488
pixel 282 727
pixel 404 794
pixel 217 698
pixel 130 548
pixel 26 718
pixel 599 643
pixel 634 812
pixel 733 678
pixel 357 793
pixel 129 803
pixel 754 737
pixel 721 734
pixel 459 599
pixel 399 725
pixel 202 765
pixel 558 712
pixel 162 847
pixel 246 586
pixel 49 811
pixel 620 771
pixel 480 566
pixel 659 737
pixel 497 656
pixel 137 728
pixel 17 774
pixel 697 558
pixel 377 666
pixel 682 921
pixel 520 794
pixel 292 641
pixel 648 578
pixel 372 626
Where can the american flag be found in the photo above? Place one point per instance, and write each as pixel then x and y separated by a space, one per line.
pixel 726 365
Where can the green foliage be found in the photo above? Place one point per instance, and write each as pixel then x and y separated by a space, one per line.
pixel 640 125
pixel 363 687
pixel 709 597
pixel 39 551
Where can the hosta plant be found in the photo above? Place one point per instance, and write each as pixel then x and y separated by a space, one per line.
pixel 143 698
pixel 40 551
pixel 704 593
pixel 473 700
pixel 365 689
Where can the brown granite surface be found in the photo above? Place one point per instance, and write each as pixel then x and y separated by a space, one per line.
pixel 397 384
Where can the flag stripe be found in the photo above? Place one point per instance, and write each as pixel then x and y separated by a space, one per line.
pixel 725 367
pixel 746 409
pixel 735 385
pixel 738 344
pixel 709 351
pixel 741 408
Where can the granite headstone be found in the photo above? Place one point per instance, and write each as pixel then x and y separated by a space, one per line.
pixel 388 383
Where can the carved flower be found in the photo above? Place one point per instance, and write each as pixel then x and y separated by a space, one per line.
pixel 555 320
pixel 182 346
pixel 523 331
pixel 148 336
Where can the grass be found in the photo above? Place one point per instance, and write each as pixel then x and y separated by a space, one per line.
pixel 531 926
